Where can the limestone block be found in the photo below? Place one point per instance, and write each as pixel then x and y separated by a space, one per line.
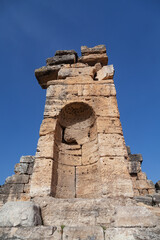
pixel 83 233
pixel 132 233
pixel 111 145
pixel 46 73
pixel 69 159
pixel 134 216
pixel 59 91
pixel 90 152
pixel 74 135
pixel 105 106
pixel 65 52
pixel 136 157
pixel 63 182
pixel 73 72
pixel 141 176
pixel 156 198
pixel 143 184
pixel 134 167
pixel 41 177
pixel 30 169
pixel 20 214
pixel 99 49
pixel 48 126
pixel 21 168
pixel 17 179
pixel 31 233
pixel 45 146
pixel 27 159
pixel 52 107
pixel 69 212
pixel 92 59
pixel 109 125
pixel 88 181
pixel 144 199
pixel 98 90
pixel 61 59
pixel 11 188
pixel 106 72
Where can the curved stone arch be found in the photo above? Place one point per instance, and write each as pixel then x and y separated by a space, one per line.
pixel 75 152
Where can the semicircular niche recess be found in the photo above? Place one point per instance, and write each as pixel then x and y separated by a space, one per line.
pixel 75 168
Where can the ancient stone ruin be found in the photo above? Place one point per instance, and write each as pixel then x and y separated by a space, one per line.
pixel 83 182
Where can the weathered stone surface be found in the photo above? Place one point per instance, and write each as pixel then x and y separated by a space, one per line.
pixel 144 199
pixel 11 188
pixel 20 214
pixel 109 125
pixel 42 177
pixel 136 157
pixel 94 50
pixel 62 59
pixel 17 179
pixel 134 216
pixel 46 73
pixel 107 72
pixel 31 233
pixel 63 182
pixel 134 167
pixel 48 126
pixel 45 146
pixel 21 168
pixel 85 212
pixel 92 59
pixel 132 234
pixel 73 72
pixel 27 159
pixel 65 52
pixel 88 181
pixel 111 145
pixel 83 233
pixel 79 65
pixel 141 176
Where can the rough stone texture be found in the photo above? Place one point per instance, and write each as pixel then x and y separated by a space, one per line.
pixel 83 233
pixel 20 214
pixel 62 59
pixel 46 73
pixel 92 59
pixel 157 185
pixel 107 72
pixel 31 233
pixel 94 50
pixel 73 72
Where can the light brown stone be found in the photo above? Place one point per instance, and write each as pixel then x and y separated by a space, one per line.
pixel 83 233
pixel 107 72
pixel 92 59
pixel 111 145
pixel 109 125
pixel 45 146
pixel 41 177
pixel 48 126
pixel 73 72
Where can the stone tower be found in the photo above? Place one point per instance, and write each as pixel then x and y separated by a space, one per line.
pixel 83 178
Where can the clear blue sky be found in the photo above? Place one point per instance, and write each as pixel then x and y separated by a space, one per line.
pixel 32 30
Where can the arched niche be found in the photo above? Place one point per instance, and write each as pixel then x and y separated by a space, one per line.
pixel 75 152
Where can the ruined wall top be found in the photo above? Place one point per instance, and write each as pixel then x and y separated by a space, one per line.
pixel 95 56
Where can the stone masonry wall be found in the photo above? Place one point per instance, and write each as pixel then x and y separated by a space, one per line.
pixel 81 148
pixel 17 187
